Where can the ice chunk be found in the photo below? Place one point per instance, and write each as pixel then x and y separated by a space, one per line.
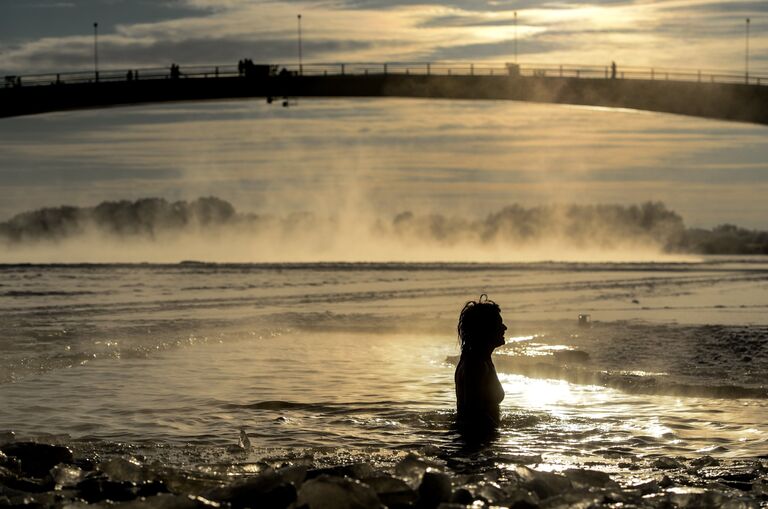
pixel 96 489
pixel 544 484
pixel 357 471
pixel 434 489
pixel 462 496
pixel 577 499
pixel 168 501
pixel 704 461
pixel 412 468
pixel 37 459
pixel 66 476
pixel 244 442
pixel 122 469
pixel 491 493
pixel 666 463
pixel 582 478
pixel 392 491
pixel 267 490
pixel 294 474
pixel 7 437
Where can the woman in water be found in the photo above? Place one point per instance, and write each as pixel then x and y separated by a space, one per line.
pixel 478 391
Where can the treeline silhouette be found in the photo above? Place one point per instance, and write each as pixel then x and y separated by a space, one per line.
pixel 146 217
pixel 582 226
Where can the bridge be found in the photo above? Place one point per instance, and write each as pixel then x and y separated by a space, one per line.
pixel 707 94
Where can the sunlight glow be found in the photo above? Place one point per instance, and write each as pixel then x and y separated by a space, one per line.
pixel 538 393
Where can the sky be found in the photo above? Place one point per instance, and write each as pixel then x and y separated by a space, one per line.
pixel 382 157
pixel 57 35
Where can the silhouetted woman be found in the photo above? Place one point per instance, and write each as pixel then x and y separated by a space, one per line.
pixel 478 390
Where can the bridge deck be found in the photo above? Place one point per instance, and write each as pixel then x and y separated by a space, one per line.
pixel 727 101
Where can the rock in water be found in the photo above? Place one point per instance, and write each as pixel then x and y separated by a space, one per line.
pixel 37 459
pixel 326 492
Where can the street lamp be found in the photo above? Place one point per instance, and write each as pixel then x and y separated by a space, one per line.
pixel 96 50
pixel 301 68
pixel 515 36
pixel 746 56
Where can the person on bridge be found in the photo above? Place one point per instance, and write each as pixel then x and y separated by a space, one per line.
pixel 478 390
pixel 613 70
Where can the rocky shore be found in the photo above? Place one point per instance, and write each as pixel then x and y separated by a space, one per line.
pixel 39 475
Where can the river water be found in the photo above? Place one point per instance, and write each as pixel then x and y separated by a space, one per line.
pixel 332 361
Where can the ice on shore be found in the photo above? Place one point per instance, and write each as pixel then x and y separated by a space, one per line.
pixel 414 481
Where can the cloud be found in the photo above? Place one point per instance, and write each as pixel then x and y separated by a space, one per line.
pixel 29 20
pixel 493 50
pixel 487 6
pixel 121 53
pixel 733 8
pixel 456 20
pixel 690 33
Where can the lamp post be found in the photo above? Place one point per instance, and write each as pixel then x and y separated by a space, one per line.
pixel 515 36
pixel 746 56
pixel 301 67
pixel 96 50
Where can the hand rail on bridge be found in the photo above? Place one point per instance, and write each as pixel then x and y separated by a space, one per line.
pixel 379 68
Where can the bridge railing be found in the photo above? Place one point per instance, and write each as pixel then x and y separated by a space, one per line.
pixel 418 68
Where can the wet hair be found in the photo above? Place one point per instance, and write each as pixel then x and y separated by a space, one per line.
pixel 475 321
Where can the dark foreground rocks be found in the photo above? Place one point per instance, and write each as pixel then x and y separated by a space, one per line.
pixel 39 476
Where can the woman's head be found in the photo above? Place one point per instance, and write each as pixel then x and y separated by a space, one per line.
pixel 481 327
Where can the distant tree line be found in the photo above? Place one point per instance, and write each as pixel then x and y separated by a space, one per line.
pixel 582 226
pixel 145 217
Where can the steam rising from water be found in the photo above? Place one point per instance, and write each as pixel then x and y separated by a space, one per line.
pixel 209 229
